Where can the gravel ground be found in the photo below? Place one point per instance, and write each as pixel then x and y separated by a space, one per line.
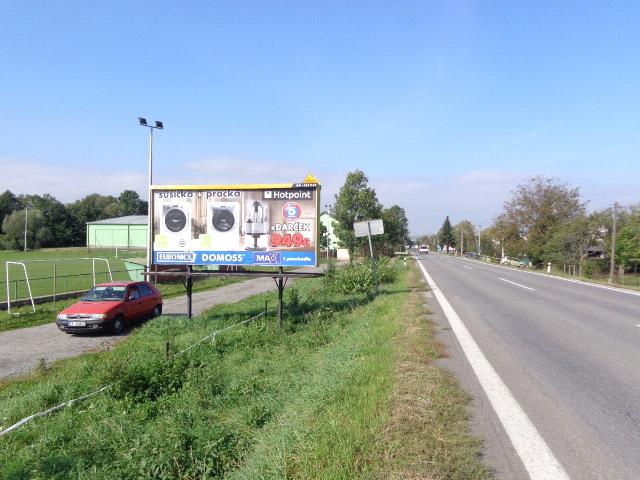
pixel 21 350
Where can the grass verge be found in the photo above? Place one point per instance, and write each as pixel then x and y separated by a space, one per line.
pixel 427 435
pixel 315 398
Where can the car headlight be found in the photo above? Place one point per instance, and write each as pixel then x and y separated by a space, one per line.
pixel 62 316
pixel 98 316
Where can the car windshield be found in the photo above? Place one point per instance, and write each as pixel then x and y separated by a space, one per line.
pixel 105 294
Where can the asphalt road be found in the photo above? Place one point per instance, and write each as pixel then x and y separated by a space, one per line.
pixel 21 350
pixel 568 352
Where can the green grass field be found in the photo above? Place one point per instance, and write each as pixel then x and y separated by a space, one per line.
pixel 313 399
pixel 71 274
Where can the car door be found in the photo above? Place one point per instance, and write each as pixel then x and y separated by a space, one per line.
pixel 134 303
pixel 148 298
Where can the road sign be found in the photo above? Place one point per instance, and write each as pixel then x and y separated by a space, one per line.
pixel 373 227
pixel 361 229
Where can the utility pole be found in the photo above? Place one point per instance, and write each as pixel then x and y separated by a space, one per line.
pixel 479 235
pixel 26 219
pixel 612 263
pixel 461 242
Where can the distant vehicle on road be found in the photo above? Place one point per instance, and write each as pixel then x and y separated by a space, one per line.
pixel 110 306
pixel 423 249
pixel 472 255
pixel 512 262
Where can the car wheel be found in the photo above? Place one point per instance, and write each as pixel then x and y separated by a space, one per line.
pixel 157 311
pixel 118 325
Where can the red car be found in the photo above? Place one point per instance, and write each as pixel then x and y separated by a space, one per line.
pixel 111 306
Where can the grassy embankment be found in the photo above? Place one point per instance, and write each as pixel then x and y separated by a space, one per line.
pixel 345 389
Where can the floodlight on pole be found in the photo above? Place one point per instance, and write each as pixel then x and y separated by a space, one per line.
pixel 158 125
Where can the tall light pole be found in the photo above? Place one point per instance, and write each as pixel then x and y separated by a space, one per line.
pixel 479 237
pixel 158 125
pixel 26 220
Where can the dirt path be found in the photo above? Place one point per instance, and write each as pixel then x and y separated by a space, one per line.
pixel 22 349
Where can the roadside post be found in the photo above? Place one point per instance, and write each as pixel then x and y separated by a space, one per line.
pixel 368 228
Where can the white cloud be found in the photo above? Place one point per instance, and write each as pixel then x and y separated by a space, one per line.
pixel 476 196
pixel 67 183
pixel 234 170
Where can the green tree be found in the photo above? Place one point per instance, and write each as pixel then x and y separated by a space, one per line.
pixel 324 236
pixel 130 203
pixel 8 203
pixel 537 209
pixel 507 238
pixel 355 202
pixel 446 235
pixel 628 245
pixel 396 229
pixel 38 235
pixel 59 222
pixel 89 209
pixel 465 232
pixel 569 242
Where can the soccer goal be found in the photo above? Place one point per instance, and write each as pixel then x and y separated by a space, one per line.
pixel 52 278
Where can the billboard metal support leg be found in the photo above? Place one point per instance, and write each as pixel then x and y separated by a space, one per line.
pixel 189 285
pixel 280 291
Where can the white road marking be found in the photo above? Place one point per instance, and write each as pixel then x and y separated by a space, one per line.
pixel 514 283
pixel 555 277
pixel 467 267
pixel 537 457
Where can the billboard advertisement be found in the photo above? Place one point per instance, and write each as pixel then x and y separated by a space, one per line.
pixel 273 224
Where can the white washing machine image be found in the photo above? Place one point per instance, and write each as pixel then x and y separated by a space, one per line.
pixel 223 225
pixel 176 224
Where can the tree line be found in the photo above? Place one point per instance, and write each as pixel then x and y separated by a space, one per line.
pixel 357 201
pixel 50 223
pixel 545 220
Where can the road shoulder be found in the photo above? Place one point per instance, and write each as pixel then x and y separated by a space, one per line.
pixel 497 450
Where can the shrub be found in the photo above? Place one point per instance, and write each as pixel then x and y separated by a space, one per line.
pixel 146 377
pixel 358 277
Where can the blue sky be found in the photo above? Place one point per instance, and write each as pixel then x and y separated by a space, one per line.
pixel 447 106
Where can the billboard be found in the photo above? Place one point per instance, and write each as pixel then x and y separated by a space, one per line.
pixel 273 224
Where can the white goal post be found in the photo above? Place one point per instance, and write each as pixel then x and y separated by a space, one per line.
pixel 6 267
pixel 54 261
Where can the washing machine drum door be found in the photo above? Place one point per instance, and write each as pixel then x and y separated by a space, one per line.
pixel 223 220
pixel 175 220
